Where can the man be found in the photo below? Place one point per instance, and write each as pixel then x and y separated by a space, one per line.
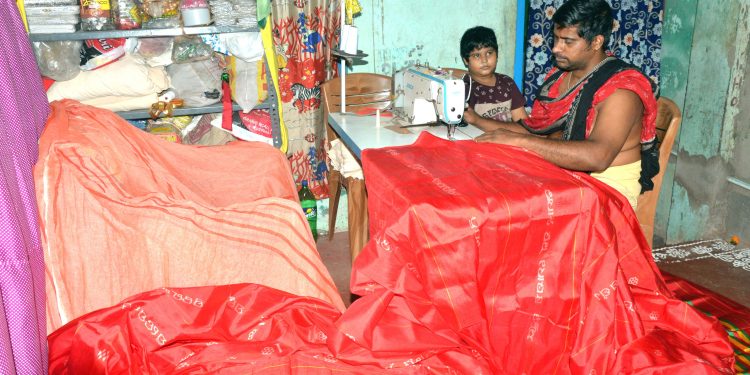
pixel 594 113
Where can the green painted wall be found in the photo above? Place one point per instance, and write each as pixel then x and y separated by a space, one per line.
pixel 677 40
pixel 706 189
pixel 706 192
pixel 397 33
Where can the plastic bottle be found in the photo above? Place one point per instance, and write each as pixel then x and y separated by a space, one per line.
pixel 309 207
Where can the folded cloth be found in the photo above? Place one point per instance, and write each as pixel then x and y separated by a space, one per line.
pixel 127 76
pixel 123 103
pixel 343 160
pixel 52 29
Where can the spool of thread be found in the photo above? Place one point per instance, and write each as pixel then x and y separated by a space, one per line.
pixel 349 39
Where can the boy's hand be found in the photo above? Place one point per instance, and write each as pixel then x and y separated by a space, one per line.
pixel 470 116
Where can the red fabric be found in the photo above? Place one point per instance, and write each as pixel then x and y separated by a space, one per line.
pixel 47 82
pixel 544 114
pixel 226 109
pixel 535 269
pixel 228 329
pixel 734 317
pixel 483 259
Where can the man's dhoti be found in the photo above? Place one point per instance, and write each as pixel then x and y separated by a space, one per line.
pixel 623 178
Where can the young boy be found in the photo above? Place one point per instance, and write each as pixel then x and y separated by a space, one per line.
pixel 490 95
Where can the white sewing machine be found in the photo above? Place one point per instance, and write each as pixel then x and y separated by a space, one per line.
pixel 425 95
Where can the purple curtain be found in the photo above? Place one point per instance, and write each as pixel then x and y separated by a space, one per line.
pixel 23 112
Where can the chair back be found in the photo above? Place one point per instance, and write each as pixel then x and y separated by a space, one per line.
pixel 363 90
pixel 668 119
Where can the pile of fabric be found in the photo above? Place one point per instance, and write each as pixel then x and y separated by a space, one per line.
pixel 483 259
pixel 123 212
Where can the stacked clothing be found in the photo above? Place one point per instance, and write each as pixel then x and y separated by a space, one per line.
pixel 52 16
pixel 239 13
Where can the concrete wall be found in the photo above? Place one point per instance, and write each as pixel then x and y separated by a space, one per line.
pixel 706 191
pixel 397 33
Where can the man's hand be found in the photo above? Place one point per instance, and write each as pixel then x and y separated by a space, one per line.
pixel 502 136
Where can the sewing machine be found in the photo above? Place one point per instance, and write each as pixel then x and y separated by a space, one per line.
pixel 425 95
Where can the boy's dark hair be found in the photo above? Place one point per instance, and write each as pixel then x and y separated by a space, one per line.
pixel 592 17
pixel 477 37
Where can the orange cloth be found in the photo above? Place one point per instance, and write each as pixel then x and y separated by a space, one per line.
pixel 123 212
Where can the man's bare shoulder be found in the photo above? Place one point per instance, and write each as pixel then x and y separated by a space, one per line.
pixel 622 97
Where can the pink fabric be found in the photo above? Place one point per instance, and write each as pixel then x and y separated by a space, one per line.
pixel 124 212
pixel 23 111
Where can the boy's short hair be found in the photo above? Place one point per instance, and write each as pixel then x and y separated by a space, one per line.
pixel 592 17
pixel 475 38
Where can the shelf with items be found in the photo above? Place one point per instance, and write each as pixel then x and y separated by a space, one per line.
pixel 139 33
pixel 270 104
pixel 184 111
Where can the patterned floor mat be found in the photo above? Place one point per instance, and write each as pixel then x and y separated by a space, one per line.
pixel 734 255
pixel 711 275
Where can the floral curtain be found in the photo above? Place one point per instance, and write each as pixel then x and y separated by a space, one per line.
pixel 636 38
pixel 303 32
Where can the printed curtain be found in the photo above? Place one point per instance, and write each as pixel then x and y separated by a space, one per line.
pixel 303 32
pixel 636 38
pixel 23 111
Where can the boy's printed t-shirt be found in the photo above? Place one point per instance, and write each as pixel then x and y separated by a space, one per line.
pixel 495 102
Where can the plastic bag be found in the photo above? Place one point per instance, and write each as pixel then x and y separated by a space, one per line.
pixel 96 15
pixel 197 83
pixel 126 14
pixel 241 13
pixel 58 60
pixel 190 48
pixel 153 47
pixel 96 53
pixel 155 51
pixel 160 13
pixel 243 78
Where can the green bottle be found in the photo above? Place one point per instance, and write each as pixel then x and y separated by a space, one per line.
pixel 309 207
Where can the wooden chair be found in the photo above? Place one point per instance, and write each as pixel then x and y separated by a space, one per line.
pixel 668 120
pixel 363 90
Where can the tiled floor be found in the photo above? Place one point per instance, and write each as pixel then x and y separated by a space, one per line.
pixel 713 264
pixel 335 255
